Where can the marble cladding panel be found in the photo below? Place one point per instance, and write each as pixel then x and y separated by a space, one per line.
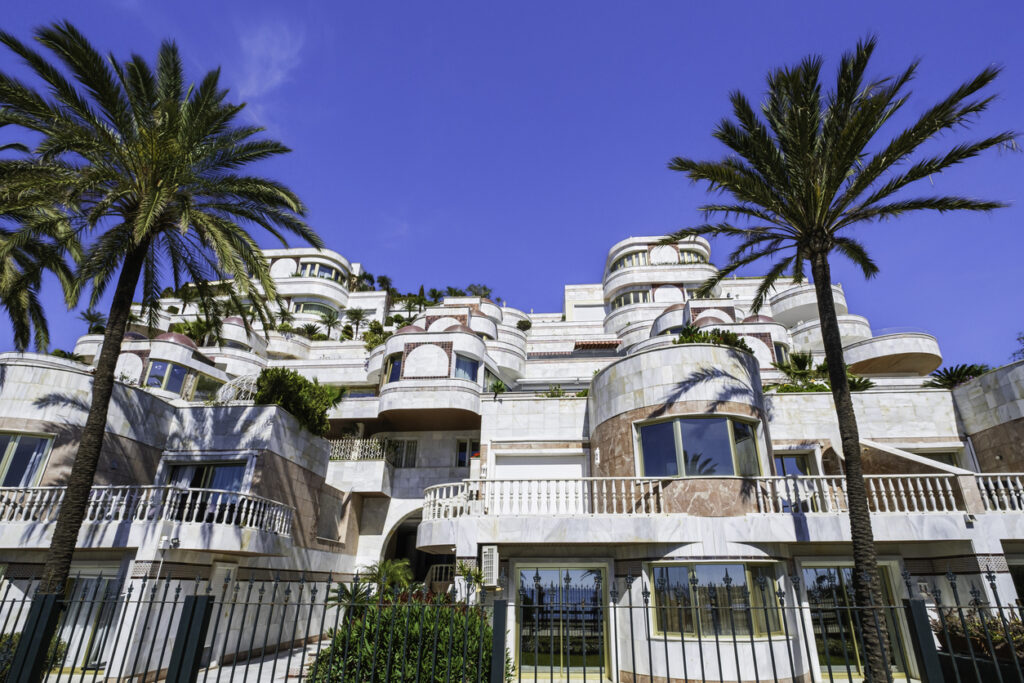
pixel 994 398
pixel 1000 448
pixel 614 437
pixel 709 496
pixel 286 482
pixel 520 418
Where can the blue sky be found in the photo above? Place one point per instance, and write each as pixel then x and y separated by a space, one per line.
pixel 444 143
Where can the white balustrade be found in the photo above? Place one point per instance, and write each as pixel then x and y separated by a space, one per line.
pixel 151 503
pixel 1001 492
pixel 586 496
pixel 885 493
pixel 362 449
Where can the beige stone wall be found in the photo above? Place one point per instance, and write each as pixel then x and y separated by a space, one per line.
pixel 1000 448
pixel 991 409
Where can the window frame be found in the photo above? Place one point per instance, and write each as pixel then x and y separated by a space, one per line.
pixel 9 451
pixel 463 357
pixel 755 426
pixel 389 365
pixel 633 259
pixel 694 608
pixel 300 307
pixel 627 298
pixel 469 441
pixel 171 365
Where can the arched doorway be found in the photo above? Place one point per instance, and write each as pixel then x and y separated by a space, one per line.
pixel 427 568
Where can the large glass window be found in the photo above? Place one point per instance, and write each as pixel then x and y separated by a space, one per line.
pixel 324 271
pixel 466 368
pixel 699 447
pixel 636 296
pixel 692 257
pixel 310 307
pixel 630 260
pixel 166 376
pixel 22 457
pixel 393 369
pixel 206 388
pixel 710 599
pixel 465 450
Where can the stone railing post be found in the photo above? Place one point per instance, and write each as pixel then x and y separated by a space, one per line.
pixel 970 494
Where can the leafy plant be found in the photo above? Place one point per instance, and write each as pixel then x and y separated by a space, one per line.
pixel 9 643
pixel 375 335
pixel 307 401
pixel 474 576
pixel 583 393
pixel 955 375
pixel 982 627
pixel 524 325
pixel 388 574
pixel 330 319
pixel 68 355
pixel 356 316
pixel 96 321
pixel 498 387
pixel 803 375
pixel 308 330
pixel 555 391
pixel 697 335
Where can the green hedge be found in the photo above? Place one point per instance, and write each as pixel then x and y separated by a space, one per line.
pixel 696 335
pixel 426 640
pixel 307 401
pixel 9 643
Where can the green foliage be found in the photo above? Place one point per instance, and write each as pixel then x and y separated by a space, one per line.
pixel 308 330
pixel 68 355
pixel 524 325
pixel 356 316
pixel 9 643
pixel 955 375
pixel 96 321
pixel 319 336
pixel 983 627
pixel 1019 353
pixel 803 375
pixel 387 574
pixel 308 401
pixel 583 393
pixel 409 637
pixel 474 576
pixel 375 335
pixel 696 335
pixel 555 391
pixel 498 387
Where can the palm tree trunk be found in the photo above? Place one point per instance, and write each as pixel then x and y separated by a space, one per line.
pixel 866 582
pixel 83 470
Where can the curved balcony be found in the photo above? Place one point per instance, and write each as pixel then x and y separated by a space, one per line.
pixel 482 325
pixel 852 328
pixel 632 244
pixel 653 275
pixel 491 310
pixel 899 353
pixel 314 287
pixel 800 303
pixel 287 345
pixel 133 516
pixel 446 393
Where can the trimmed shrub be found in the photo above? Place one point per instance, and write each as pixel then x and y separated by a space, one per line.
pixel 413 638
pixel 307 401
pixel 697 335
pixel 9 643
pixel 524 325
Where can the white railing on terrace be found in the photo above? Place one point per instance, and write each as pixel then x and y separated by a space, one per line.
pixel 1001 492
pixel 588 496
pixel 151 503
pixel 885 493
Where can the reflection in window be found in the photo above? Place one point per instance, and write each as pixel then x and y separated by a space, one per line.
pixel 747 605
pixel 692 257
pixel 629 261
pixel 21 458
pixel 466 367
pixel 393 371
pixel 699 447
pixel 206 388
pixel 465 450
pixel 637 296
pixel 310 307
pixel 167 376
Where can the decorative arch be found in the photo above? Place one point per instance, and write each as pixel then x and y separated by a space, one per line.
pixel 664 254
pixel 426 360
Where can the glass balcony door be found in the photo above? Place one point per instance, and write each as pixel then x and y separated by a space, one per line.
pixel 561 619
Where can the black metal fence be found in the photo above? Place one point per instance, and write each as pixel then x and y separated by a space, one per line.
pixel 672 626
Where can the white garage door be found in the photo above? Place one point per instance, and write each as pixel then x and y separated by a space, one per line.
pixel 538 467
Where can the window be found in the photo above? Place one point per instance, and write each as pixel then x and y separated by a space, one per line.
pixel 310 307
pixel 465 450
pixel 220 476
pixel 949 458
pixel 466 367
pixel 167 376
pixel 792 464
pixel 691 257
pixel 206 388
pixel 748 605
pixel 360 391
pixel 21 458
pixel 636 296
pixel 402 452
pixel 699 447
pixel 393 369
pixel 781 353
pixel 323 271
pixel 629 261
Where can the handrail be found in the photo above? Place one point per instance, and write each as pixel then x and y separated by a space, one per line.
pixel 152 503
pixel 361 449
pixel 1001 492
pixel 885 493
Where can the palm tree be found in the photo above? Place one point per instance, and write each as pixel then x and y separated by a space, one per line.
pixel 955 375
pixel 330 319
pixel 800 176
pixel 436 295
pixel 356 316
pixel 94 319
pixel 309 330
pixel 68 355
pixel 388 574
pixel 151 169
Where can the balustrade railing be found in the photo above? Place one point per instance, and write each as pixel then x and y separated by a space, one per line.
pixel 151 503
pixel 362 449
pixel 885 493
pixel 585 496
pixel 1001 492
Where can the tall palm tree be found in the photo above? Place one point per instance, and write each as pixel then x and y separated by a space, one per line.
pixel 152 171
pixel 330 319
pixel 356 316
pixel 955 375
pixel 94 319
pixel 800 176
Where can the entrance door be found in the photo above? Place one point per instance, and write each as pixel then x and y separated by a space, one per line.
pixel 838 626
pixel 561 620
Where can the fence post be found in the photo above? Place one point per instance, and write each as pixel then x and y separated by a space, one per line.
pixel 498 641
pixel 190 638
pixel 29 663
pixel 923 640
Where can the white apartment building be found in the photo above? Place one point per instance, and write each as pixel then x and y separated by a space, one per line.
pixel 613 453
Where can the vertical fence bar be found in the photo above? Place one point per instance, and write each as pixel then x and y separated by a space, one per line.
pixel 500 616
